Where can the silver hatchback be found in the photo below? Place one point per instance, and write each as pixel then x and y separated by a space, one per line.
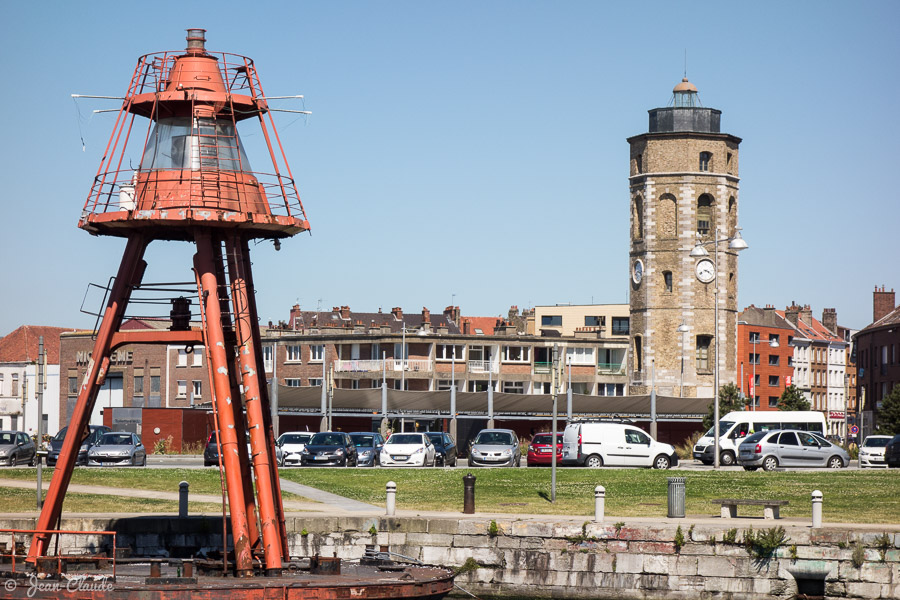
pixel 789 448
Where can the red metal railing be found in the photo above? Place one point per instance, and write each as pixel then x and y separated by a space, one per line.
pixel 59 559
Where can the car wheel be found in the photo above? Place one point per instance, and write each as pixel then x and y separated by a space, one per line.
pixel 750 468
pixel 33 460
pixel 661 462
pixel 593 462
pixel 144 461
pixel 727 458
pixel 835 462
pixel 470 463
pixel 13 460
pixel 770 463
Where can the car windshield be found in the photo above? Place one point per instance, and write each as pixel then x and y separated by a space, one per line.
pixel 544 438
pixel 326 439
pixel 822 441
pixel 297 438
pixel 876 442
pixel 436 438
pixel 115 439
pixel 61 435
pixel 405 438
pixel 7 438
pixel 494 438
pixel 724 426
pixel 363 441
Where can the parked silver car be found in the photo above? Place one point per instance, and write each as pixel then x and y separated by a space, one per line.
pixel 495 448
pixel 16 448
pixel 118 448
pixel 789 448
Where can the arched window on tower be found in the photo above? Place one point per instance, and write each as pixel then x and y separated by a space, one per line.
pixel 732 215
pixel 638 218
pixel 667 218
pixel 704 214
pixel 638 354
pixel 705 161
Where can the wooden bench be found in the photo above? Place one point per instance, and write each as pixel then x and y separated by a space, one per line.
pixel 729 506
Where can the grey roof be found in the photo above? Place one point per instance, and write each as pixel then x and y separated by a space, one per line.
pixel 890 319
pixel 762 317
pixel 474 404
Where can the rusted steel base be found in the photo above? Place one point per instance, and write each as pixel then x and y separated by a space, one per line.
pixel 412 582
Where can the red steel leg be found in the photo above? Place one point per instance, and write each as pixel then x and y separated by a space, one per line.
pixel 240 424
pixel 214 336
pixel 264 393
pixel 263 455
pixel 131 271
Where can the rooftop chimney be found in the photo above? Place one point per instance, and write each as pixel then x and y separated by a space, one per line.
pixel 426 315
pixel 806 314
pixel 397 312
pixel 882 303
pixel 345 312
pixel 829 319
pixel 792 313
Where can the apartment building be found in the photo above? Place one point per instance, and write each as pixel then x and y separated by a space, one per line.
pixel 19 377
pixel 878 357
pixel 427 352
pixel 765 356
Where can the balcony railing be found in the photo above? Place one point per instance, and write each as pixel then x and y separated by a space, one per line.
pixel 542 368
pixel 481 366
pixel 392 364
pixel 611 368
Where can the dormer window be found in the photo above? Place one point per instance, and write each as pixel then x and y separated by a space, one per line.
pixel 705 160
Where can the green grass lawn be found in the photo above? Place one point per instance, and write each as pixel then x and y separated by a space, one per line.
pixel 15 500
pixel 204 481
pixel 849 496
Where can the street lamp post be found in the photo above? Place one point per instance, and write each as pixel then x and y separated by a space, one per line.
pixel 736 243
pixel 755 342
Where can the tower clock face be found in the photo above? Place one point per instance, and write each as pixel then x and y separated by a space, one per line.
pixel 706 270
pixel 637 271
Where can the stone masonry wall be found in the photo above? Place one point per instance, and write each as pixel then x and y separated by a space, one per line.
pixel 559 558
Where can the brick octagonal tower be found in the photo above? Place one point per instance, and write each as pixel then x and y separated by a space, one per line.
pixel 684 184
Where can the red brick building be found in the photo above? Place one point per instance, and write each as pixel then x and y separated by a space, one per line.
pixel 878 357
pixel 765 356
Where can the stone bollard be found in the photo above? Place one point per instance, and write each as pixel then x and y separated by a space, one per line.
pixel 391 489
pixel 599 502
pixel 816 508
pixel 469 494
pixel 183 499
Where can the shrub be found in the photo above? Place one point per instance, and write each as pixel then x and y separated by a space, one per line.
pixel 163 445
pixel 730 536
pixel 493 529
pixel 859 555
pixel 679 539
pixel 883 543
pixel 763 543
pixel 685 450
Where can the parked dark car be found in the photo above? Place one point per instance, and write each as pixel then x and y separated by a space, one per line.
pixel 57 442
pixel 211 452
pixel 17 448
pixel 445 452
pixel 329 448
pixel 368 447
pixel 892 453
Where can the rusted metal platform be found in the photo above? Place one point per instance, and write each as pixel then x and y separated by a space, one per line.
pixel 132 581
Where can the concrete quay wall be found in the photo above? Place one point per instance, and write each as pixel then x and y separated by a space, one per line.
pixel 560 558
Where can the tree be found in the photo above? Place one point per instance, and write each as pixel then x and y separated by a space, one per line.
pixel 729 400
pixel 792 399
pixel 889 413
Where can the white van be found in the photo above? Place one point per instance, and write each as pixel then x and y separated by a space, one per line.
pixel 735 426
pixel 598 443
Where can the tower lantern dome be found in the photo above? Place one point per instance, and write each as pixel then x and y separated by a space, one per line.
pixel 686 94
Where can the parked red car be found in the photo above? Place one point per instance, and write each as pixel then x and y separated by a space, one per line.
pixel 539 452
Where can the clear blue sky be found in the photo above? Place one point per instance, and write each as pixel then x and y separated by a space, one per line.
pixel 475 151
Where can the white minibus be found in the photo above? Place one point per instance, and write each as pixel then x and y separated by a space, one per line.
pixel 735 426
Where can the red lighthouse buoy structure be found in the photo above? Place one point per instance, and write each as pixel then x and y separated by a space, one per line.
pixel 194 183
